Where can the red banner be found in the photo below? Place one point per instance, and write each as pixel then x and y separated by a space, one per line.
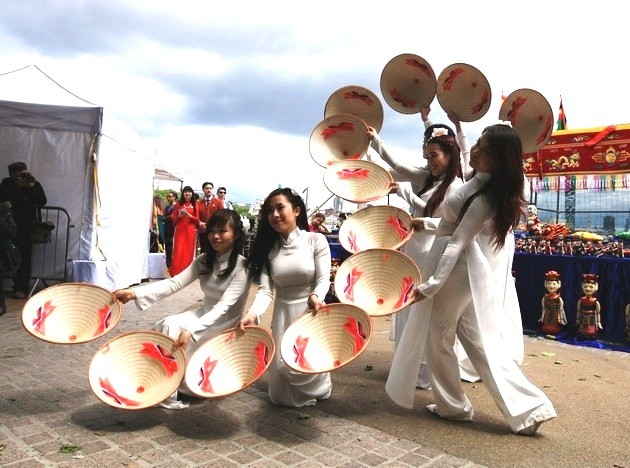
pixel 602 150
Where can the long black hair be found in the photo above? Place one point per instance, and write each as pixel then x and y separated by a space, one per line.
pixel 266 236
pixel 226 218
pixel 505 188
pixel 182 200
pixel 449 146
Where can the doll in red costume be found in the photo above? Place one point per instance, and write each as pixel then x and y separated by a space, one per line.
pixel 552 305
pixel 588 308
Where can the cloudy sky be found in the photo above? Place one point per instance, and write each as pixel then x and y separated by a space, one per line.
pixel 231 91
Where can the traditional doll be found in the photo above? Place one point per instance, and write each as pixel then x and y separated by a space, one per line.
pixel 588 308
pixel 533 224
pixel 552 305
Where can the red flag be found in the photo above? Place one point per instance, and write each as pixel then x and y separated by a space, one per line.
pixel 562 119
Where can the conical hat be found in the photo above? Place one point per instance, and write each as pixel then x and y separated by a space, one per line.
pixel 229 362
pixel 356 100
pixel 381 226
pixel 357 181
pixel 137 370
pixel 328 340
pixel 70 313
pixel 337 138
pixel 379 281
pixel 464 92
pixel 531 117
pixel 408 83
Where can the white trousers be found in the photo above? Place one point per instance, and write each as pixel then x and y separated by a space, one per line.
pixel 454 315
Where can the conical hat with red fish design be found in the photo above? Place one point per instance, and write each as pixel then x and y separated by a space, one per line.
pixel 71 313
pixel 137 370
pixel 531 117
pixel 357 181
pixel 463 91
pixel 337 138
pixel 229 362
pixel 379 281
pixel 333 337
pixel 373 227
pixel 408 83
pixel 359 101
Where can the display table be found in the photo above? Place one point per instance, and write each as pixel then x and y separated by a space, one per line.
pixel 157 266
pixel 613 294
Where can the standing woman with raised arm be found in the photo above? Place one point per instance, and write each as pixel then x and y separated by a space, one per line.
pixel 292 266
pixel 458 295
pixel 441 176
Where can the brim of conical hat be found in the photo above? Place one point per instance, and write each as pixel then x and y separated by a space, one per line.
pixel 464 92
pixel 335 336
pixel 137 370
pixel 356 100
pixel 338 138
pixel 71 313
pixel 408 83
pixel 229 362
pixel 374 227
pixel 357 181
pixel 531 117
pixel 379 281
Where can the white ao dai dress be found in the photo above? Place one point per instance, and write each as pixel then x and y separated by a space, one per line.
pixel 461 276
pixel 223 303
pixel 300 266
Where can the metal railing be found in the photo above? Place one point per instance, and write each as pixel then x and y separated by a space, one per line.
pixel 49 262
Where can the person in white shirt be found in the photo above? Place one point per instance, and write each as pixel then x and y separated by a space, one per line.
pixel 292 266
pixel 223 280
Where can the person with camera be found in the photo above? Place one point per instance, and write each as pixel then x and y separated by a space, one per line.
pixel 26 196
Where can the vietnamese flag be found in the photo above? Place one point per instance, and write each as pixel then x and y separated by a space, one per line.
pixel 561 124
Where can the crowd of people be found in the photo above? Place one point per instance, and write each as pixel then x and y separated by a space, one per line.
pixel 461 324
pixel 178 227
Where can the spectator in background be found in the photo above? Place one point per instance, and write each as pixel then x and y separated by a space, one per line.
pixel 157 225
pixel 206 207
pixel 185 218
pixel 221 195
pixel 169 228
pixel 317 224
pixel 26 196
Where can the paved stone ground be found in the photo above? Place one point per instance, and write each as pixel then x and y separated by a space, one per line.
pixel 46 405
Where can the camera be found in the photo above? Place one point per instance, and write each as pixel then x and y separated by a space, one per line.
pixel 27 177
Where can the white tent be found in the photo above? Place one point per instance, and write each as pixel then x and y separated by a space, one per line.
pixel 98 170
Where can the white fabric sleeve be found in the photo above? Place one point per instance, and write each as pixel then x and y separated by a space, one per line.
pixel 322 266
pixel 405 191
pixel 264 295
pixel 237 287
pixel 417 175
pixel 148 295
pixel 476 216
pixel 427 124
pixel 464 147
pixel 431 224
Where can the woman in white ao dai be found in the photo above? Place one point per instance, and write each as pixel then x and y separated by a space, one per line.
pixel 223 280
pixel 292 266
